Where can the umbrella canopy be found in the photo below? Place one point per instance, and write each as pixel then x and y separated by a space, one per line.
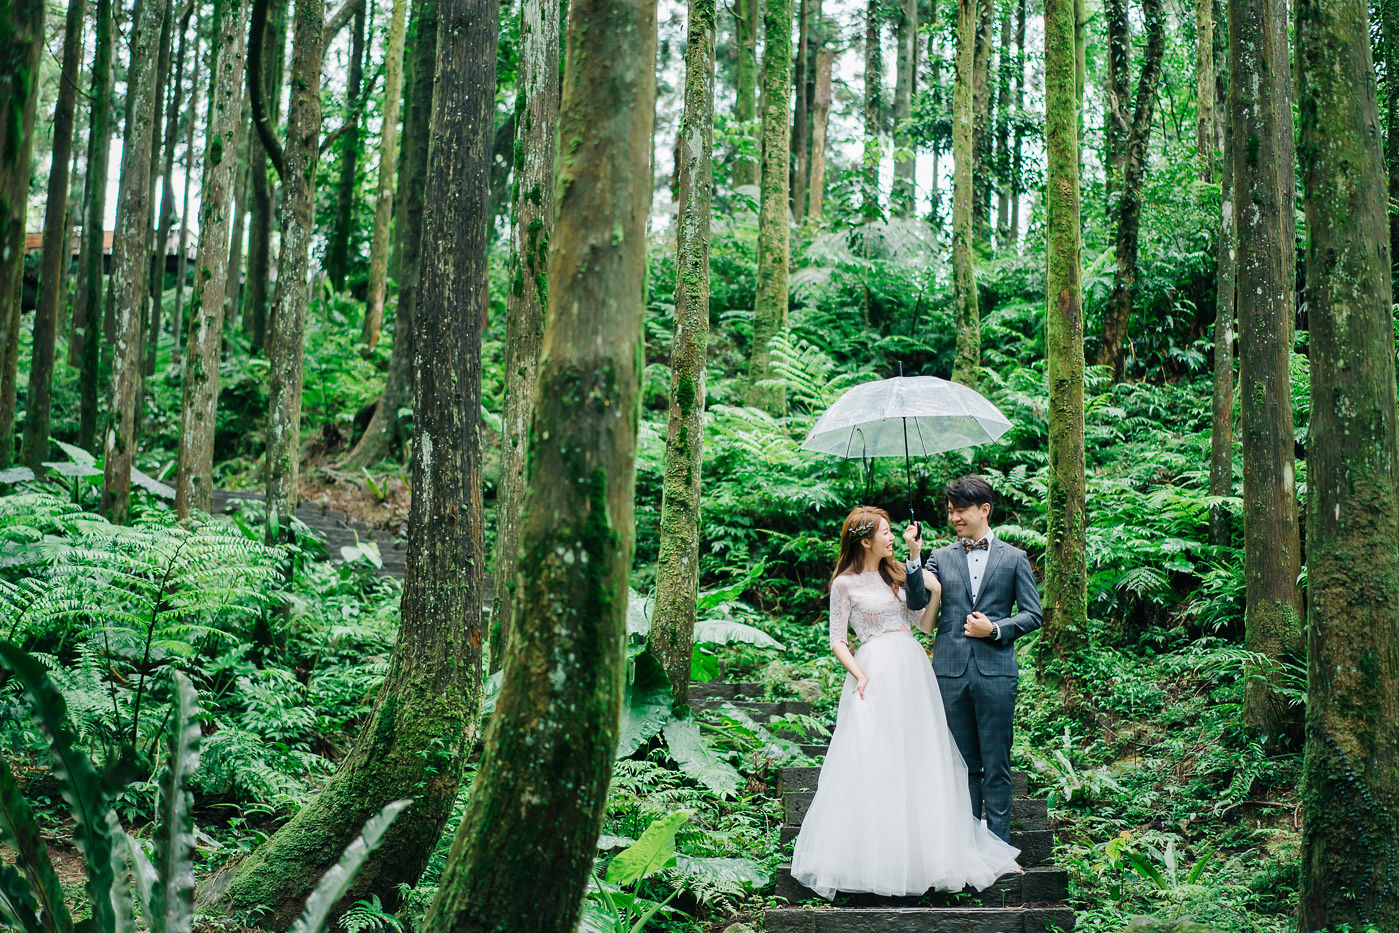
pixel 905 416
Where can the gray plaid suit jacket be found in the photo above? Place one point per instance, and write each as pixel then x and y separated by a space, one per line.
pixel 1007 596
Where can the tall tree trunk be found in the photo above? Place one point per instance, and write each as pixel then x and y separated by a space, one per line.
pixel 241 185
pixel 1117 109
pixel 337 254
pixel 874 76
pixel 88 317
pixel 1222 422
pixel 1204 90
pixel 967 365
pixel 387 175
pixel 1016 169
pixel 677 573
pixel 131 262
pixel 1272 549
pixel 939 98
pixel 1001 161
pixel 1066 574
pixel 1128 209
pixel 770 314
pixel 286 330
pixel 745 169
pixel 194 483
pixel 981 124
pixel 901 199
pixel 801 120
pixel 177 328
pixel 53 263
pixel 161 252
pixel 820 117
pixel 1389 41
pixel 383 426
pixel 273 63
pixel 542 786
pixel 1350 789
pixel 413 743
pixel 536 124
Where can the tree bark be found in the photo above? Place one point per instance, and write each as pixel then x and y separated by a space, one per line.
pixel 801 119
pixel 967 364
pixel 820 118
pixel 745 169
pixel 1066 573
pixel 536 125
pixel 1001 161
pixel 1016 168
pixel 162 162
pixel 1205 120
pixel 177 327
pixel 1350 789
pixel 981 124
pixel 874 76
pixel 1135 137
pixel 677 572
pixel 131 262
pixel 523 854
pixel 194 483
pixel 770 314
pixel 53 262
pixel 286 330
pixel 901 199
pixel 88 313
pixel 383 426
pixel 1272 549
pixel 1117 109
pixel 1222 422
pixel 1389 39
pixel 387 175
pixel 241 186
pixel 337 254
pixel 263 182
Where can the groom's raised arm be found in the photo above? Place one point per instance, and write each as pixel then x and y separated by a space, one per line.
pixel 914 590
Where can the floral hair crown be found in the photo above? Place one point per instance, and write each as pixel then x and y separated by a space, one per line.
pixel 862 529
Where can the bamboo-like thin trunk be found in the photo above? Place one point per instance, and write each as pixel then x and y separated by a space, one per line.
pixel 745 169
pixel 1001 158
pixel 967 365
pixel 1204 90
pixel 388 168
pixel 901 199
pixel 161 252
pixel 88 312
pixel 337 256
pixel 1016 167
pixel 263 180
pixel 178 324
pixel 801 119
pixel 821 113
pixel 872 106
pixel 1222 421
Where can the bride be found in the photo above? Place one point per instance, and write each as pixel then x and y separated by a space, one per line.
pixel 892 813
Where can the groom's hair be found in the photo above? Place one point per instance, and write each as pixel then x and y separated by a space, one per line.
pixel 970 490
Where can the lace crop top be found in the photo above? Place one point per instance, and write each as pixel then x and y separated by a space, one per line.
pixel 864 602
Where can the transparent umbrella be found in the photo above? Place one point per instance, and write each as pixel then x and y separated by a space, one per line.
pixel 908 416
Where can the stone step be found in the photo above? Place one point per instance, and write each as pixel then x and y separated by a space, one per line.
pixel 1047 884
pixel 919 920
pixel 1036 845
pixel 1025 812
pixel 759 710
pixel 804 777
pixel 718 690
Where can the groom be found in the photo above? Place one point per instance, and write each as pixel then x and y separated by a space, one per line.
pixel 982 578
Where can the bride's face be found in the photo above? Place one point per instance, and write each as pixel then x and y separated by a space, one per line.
pixel 881 542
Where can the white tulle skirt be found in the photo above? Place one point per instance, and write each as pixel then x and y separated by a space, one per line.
pixel 892 813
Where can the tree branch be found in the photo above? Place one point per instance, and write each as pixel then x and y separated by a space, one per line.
pixel 258 105
pixel 337 22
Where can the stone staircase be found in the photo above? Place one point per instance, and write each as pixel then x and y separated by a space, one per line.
pixel 335 528
pixel 1030 902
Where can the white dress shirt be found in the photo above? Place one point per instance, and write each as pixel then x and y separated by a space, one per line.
pixel 976 564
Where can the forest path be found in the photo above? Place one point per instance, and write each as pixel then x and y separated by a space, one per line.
pixel 1032 902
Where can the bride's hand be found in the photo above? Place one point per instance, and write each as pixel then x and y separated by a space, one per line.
pixel 861 683
pixel 931 583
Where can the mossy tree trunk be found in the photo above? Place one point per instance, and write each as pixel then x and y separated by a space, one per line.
pixel 1205 120
pixel 770 314
pixel 337 253
pixel 194 483
pixel 981 122
pixel 677 573
pixel 387 176
pixel 1132 118
pixel 415 737
pixel 1350 784
pixel 384 425
pixel 522 857
pixel 286 330
pixel 53 265
pixel 873 107
pixel 87 308
pixel 745 169
pixel 820 119
pixel 801 115
pixel 1264 290
pixel 967 363
pixel 901 199
pixel 131 261
pixel 1222 420
pixel 1389 43
pixel 1018 135
pixel 1001 157
pixel 1065 574
pixel 532 216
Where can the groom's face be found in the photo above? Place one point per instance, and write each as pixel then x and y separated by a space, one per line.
pixel 969 521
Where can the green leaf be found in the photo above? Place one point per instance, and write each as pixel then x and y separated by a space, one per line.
pixel 151 484
pixel 652 852
pixel 725 631
pixel 95 826
pixel 336 882
pixel 64 468
pixel 172 900
pixel 639 611
pixel 76 454
pixel 17 821
pixel 645 705
pixel 490 692
pixel 17 474
pixel 17 908
pixel 367 551
pixel 698 760
pixel 736 870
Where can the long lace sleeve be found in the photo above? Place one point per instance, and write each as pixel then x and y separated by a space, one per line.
pixel 840 611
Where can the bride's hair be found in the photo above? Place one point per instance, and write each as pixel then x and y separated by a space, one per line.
pixel 859 525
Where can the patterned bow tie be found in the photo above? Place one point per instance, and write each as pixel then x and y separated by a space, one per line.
pixel 969 545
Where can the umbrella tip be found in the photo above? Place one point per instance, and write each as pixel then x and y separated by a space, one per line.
pixel 901 369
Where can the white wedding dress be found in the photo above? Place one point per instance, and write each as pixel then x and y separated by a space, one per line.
pixel 892 813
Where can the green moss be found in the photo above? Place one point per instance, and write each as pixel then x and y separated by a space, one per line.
pixel 685 395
